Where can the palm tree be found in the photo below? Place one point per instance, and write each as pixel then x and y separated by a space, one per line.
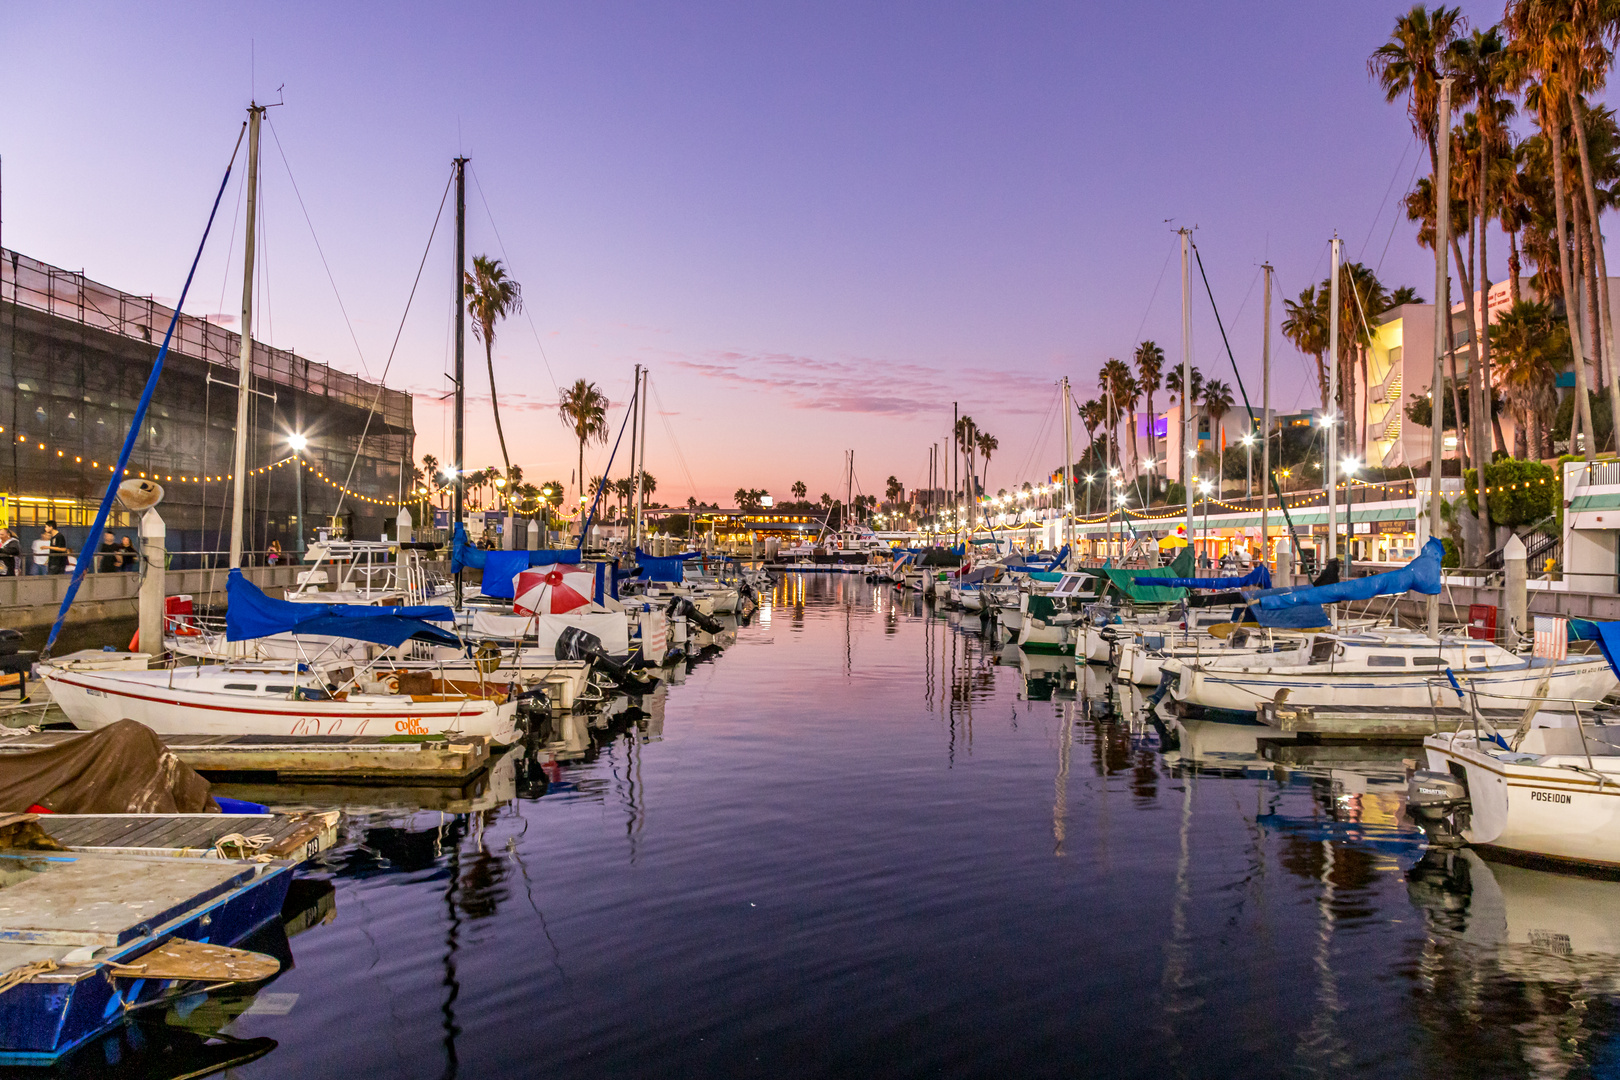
pixel 1121 395
pixel 1172 383
pixel 1532 346
pixel 491 297
pixel 1217 402
pixel 1306 327
pixel 967 442
pixel 799 490
pixel 1410 64
pixel 893 489
pixel 1149 368
pixel 986 444
pixel 1540 45
pixel 584 409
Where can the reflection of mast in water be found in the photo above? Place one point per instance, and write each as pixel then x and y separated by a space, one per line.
pixel 452 945
pixel 1060 795
pixel 1177 954
pixel 631 792
pixel 1321 1043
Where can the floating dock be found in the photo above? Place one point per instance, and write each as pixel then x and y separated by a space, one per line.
pixel 281 836
pixel 359 759
pixel 1380 722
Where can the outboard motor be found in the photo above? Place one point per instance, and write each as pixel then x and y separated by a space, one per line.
pixel 577 644
pixel 682 607
pixel 1438 803
pixel 531 704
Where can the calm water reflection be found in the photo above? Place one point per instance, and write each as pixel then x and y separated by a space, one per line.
pixel 870 840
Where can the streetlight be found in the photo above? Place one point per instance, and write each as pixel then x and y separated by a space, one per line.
pixel 1204 488
pixel 1248 448
pixel 1349 465
pixel 298 442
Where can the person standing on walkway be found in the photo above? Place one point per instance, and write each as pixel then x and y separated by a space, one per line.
pixel 11 563
pixel 128 558
pixel 109 559
pixel 41 548
pixel 58 550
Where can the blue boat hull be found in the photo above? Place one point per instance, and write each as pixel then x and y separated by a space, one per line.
pixel 42 1020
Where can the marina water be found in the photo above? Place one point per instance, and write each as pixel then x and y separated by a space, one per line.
pixel 865 841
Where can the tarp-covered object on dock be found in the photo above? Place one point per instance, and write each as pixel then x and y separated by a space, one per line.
pixel 123 768
pixel 1421 575
pixel 251 614
pixel 1134 584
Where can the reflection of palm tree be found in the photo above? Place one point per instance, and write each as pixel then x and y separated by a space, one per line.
pixel 491 297
pixel 584 409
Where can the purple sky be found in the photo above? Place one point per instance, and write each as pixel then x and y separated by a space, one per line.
pixel 818 224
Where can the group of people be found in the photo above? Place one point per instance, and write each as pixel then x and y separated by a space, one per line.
pixel 49 554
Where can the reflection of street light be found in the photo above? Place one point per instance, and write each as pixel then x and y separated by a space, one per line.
pixel 298 442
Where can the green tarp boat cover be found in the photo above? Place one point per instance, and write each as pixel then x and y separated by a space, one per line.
pixel 1131 583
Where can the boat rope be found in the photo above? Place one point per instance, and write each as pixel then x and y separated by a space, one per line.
pixel 92 541
pixel 247 847
pixel 25 972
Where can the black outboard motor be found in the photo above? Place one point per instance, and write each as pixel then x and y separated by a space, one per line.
pixel 1438 803
pixel 682 607
pixel 576 644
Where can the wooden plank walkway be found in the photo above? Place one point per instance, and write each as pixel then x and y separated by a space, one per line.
pixel 284 836
pixel 1389 722
pixel 334 758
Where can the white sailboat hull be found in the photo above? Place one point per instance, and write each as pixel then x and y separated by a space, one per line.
pixel 92 700
pixel 1555 807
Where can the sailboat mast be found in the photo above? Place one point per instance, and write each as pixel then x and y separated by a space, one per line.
pixel 1068 477
pixel 1265 421
pixel 244 364
pixel 638 452
pixel 1330 448
pixel 1442 323
pixel 461 341
pixel 1189 434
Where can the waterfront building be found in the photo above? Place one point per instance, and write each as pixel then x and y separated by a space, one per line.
pixel 74 357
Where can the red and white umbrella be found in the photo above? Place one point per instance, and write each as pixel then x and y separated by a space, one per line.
pixel 553 590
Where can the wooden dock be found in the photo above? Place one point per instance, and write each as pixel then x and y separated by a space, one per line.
pixel 1378 722
pixel 358 759
pixel 281 836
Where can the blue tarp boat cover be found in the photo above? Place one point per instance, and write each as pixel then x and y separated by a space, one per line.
pixel 501 567
pixel 1421 575
pixel 664 568
pixel 1259 578
pixel 1301 617
pixel 251 614
pixel 1608 639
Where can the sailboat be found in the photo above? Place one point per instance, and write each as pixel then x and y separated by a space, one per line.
pixel 241 696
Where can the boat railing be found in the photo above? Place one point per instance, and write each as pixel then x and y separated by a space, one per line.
pixel 1533 704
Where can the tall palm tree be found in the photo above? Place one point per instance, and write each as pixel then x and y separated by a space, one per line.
pixel 986 444
pixel 491 297
pixel 1305 325
pixel 1149 371
pixel 799 490
pixel 1093 415
pixel 1532 346
pixel 1540 45
pixel 1410 65
pixel 1189 404
pixel 967 441
pixel 584 409
pixel 1217 402
pixel 1122 395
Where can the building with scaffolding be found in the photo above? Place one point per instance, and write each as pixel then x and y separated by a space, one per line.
pixel 74 358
